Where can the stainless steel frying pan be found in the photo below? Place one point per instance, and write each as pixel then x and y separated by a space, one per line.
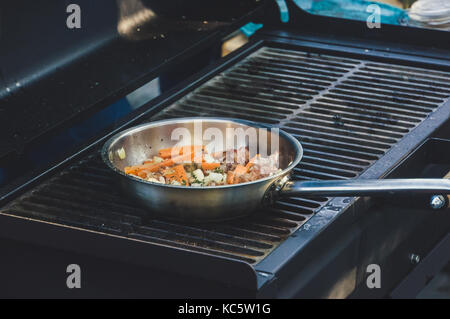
pixel 201 204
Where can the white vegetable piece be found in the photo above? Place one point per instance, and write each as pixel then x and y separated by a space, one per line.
pixel 198 174
pixel 214 177
pixel 208 158
pixel 157 159
pixel 154 180
pixel 196 185
pixel 121 153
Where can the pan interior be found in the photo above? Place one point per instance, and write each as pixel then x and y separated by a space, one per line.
pixel 135 145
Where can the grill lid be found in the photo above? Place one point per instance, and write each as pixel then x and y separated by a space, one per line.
pixel 50 73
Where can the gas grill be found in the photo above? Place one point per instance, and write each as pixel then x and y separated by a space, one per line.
pixel 362 108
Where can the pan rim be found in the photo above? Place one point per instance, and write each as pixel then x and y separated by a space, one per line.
pixel 297 145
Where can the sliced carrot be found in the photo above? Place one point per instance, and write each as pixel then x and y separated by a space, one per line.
pixel 131 170
pixel 167 152
pixel 251 162
pixel 188 157
pixel 153 167
pixel 142 174
pixel 178 174
pixel 171 151
pixel 230 177
pixel 233 176
pixel 217 154
pixel 134 170
pixel 240 170
pixel 210 166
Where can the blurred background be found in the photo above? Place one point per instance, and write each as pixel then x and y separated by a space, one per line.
pixel 433 14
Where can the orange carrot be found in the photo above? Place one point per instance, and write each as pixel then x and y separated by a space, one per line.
pixel 217 154
pixel 179 150
pixel 210 166
pixel 251 162
pixel 233 176
pixel 178 174
pixel 230 177
pixel 188 157
pixel 240 170
pixel 167 152
pixel 142 174
pixel 131 170
pixel 153 167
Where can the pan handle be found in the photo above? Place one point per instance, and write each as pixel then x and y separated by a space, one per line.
pixel 366 187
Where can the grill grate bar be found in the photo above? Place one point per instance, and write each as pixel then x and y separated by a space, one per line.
pixel 55 215
pixel 298 77
pixel 407 77
pixel 424 89
pixel 327 169
pixel 414 116
pixel 332 163
pixel 272 88
pixel 84 206
pixel 309 60
pixel 308 203
pixel 408 70
pixel 301 68
pixel 366 84
pixel 385 100
pixel 265 97
pixel 202 107
pixel 302 173
pixel 257 66
pixel 338 130
pixel 289 206
pixel 207 234
pixel 147 236
pixel 210 99
pixel 348 160
pixel 356 111
pixel 232 95
pixel 337 150
pixel 244 116
pixel 376 91
pixel 289 63
pixel 201 241
pixel 309 87
pixel 350 124
pixel 340 115
pixel 311 57
pixel 324 139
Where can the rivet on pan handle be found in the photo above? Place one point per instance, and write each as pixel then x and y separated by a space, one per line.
pixel 438 202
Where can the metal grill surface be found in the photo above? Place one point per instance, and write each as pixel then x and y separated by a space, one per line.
pixel 346 112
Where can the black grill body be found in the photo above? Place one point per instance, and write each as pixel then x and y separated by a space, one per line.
pixel 358 113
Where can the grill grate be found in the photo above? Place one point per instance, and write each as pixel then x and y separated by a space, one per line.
pixel 346 112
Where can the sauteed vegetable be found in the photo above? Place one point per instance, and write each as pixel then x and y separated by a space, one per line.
pixel 194 166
